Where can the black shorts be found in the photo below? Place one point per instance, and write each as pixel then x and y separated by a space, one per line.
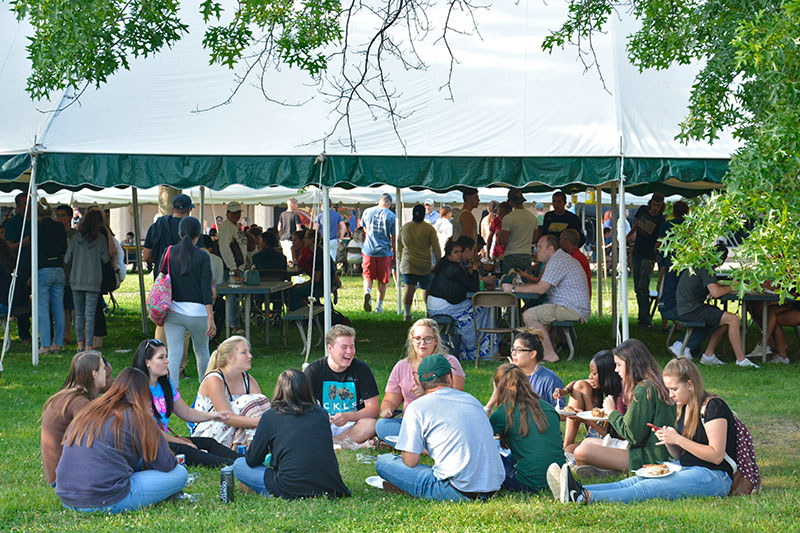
pixel 710 315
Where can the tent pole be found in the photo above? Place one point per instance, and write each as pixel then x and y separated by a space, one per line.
pixel 202 206
pixel 598 247
pixel 326 250
pixel 139 270
pixel 623 253
pixel 614 256
pixel 33 208
pixel 397 226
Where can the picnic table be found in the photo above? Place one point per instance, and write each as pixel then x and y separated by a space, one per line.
pixel 266 288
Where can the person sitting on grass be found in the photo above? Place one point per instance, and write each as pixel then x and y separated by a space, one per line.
pixel 87 375
pixel 587 394
pixel 452 426
pixel 528 426
pixel 527 354
pixel 345 387
pixel 703 441
pixel 115 458
pixel 228 387
pixel 295 439
pixel 151 358
pixel 648 401
pixel 403 387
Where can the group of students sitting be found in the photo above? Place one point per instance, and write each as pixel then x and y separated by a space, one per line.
pixel 115 452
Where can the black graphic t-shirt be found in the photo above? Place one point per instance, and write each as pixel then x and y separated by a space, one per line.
pixel 341 392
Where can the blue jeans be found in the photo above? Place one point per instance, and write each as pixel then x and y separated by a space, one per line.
pixel 51 300
pixel 511 482
pixel 147 487
pixel 642 271
pixel 419 481
pixel 386 427
pixel 85 309
pixel 251 476
pixel 689 482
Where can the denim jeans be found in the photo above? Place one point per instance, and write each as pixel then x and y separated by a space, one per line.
pixel 642 271
pixel 175 327
pixel 85 309
pixel 386 427
pixel 147 487
pixel 689 482
pixel 511 482
pixel 251 476
pixel 51 300
pixel 419 481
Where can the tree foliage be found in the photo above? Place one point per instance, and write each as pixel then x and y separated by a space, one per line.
pixel 750 85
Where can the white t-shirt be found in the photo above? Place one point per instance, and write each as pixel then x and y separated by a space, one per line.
pixel 455 430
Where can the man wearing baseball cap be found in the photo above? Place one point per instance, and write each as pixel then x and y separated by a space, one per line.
pixel 232 240
pixel 431 214
pixel 454 429
pixel 164 231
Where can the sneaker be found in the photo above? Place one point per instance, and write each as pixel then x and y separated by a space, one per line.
pixel 554 480
pixel 757 351
pixel 379 308
pixel 746 363
pixel 570 489
pixel 585 471
pixel 407 318
pixel 367 303
pixel 675 349
pixel 711 360
pixel 687 354
pixel 779 360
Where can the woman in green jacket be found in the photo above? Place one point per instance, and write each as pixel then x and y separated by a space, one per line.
pixel 648 401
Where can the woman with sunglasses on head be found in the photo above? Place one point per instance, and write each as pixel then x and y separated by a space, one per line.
pixel 151 358
pixel 115 458
pixel 403 386
pixel 703 440
pixel 87 376
pixel 528 426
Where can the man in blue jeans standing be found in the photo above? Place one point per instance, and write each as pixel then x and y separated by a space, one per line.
pixel 453 427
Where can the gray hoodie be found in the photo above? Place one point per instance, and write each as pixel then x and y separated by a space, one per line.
pixel 85 259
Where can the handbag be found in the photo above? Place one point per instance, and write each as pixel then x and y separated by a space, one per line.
pixel 109 279
pixel 159 300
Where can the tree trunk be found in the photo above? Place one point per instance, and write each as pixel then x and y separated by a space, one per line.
pixel 165 196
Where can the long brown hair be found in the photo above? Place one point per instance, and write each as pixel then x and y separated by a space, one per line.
pixel 411 354
pixel 684 371
pixel 130 392
pixel 640 368
pixel 293 393
pixel 514 390
pixel 80 380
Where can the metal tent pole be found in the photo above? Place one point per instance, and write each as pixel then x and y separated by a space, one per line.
pixel 623 254
pixel 33 208
pixel 139 270
pixel 614 261
pixel 202 206
pixel 326 250
pixel 598 248
pixel 398 225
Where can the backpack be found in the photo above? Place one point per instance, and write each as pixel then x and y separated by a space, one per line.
pixel 159 299
pixel 746 476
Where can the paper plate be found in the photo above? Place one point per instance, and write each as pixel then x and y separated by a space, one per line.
pixel 673 467
pixel 375 481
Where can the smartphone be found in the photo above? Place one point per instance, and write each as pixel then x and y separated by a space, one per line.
pixel 652 426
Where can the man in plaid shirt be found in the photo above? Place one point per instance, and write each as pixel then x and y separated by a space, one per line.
pixel 567 290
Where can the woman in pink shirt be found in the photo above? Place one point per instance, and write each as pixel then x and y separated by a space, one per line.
pixel 403 386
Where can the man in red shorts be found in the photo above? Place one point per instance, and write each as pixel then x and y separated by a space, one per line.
pixel 378 249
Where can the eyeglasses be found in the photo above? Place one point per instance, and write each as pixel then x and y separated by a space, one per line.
pixel 515 350
pixel 426 340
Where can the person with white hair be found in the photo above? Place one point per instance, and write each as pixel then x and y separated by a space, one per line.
pixel 431 214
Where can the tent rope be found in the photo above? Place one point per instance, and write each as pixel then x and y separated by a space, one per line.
pixel 317 201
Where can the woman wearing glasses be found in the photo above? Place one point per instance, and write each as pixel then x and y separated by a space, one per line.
pixel 403 386
pixel 151 358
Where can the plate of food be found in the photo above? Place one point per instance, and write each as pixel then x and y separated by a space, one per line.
pixel 596 415
pixel 658 470
pixel 375 481
pixel 567 411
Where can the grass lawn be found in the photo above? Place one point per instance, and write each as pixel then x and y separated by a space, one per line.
pixel 766 399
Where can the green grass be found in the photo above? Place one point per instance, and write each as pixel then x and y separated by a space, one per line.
pixel 767 400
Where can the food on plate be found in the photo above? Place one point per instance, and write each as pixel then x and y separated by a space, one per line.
pixel 598 413
pixel 656 470
pixel 570 409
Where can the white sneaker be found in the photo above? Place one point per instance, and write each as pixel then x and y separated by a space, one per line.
pixel 757 351
pixel 712 360
pixel 779 360
pixel 554 480
pixel 675 349
pixel 746 363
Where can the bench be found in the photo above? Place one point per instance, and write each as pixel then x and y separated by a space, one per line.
pixel 299 316
pixel 568 327
pixel 689 327
pixel 447 329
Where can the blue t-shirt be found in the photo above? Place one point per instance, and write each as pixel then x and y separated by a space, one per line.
pixel 544 382
pixel 335 219
pixel 379 224
pixel 157 392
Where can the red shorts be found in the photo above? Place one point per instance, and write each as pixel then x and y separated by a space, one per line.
pixel 379 268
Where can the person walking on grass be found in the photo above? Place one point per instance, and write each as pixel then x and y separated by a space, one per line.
pixel 377 251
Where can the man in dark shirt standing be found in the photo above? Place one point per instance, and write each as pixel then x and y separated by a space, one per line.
pixel 17 237
pixel 649 219
pixel 164 231
pixel 559 219
pixel 288 223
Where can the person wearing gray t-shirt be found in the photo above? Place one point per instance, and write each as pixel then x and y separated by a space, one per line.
pixel 453 427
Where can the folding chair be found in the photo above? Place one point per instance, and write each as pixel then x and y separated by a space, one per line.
pixel 493 300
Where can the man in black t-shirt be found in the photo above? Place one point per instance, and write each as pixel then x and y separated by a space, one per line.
pixel 345 387
pixel 646 227
pixel 288 223
pixel 163 233
pixel 559 219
